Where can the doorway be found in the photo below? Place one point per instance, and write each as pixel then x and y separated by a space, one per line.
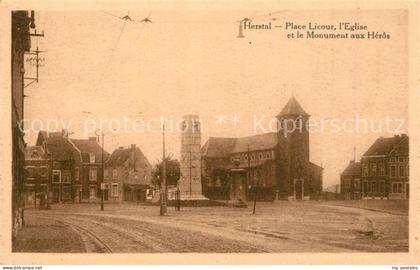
pixel 299 189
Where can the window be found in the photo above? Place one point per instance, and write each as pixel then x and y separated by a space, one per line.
pixel 396 187
pixel 373 186
pixel 267 155
pixel 298 123
pixel 393 171
pixel 381 169
pixel 365 170
pixel 92 174
pixel 56 176
pixel 382 186
pixel 246 157
pixel 400 159
pixel 91 157
pixel 393 159
pixel 105 173
pixel 66 176
pixel 115 174
pixel 92 192
pixel 114 190
pixel 260 156
pixel 373 168
pixel 282 123
pixel 401 171
pixel 252 157
pixel 356 183
pixel 43 171
pixel 76 174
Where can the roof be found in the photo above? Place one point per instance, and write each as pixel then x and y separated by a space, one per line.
pixel 57 144
pixel 257 142
pixel 402 148
pixel 218 147
pixel 89 146
pixel 353 169
pixel 34 152
pixel 293 108
pixel 121 155
pixel 384 146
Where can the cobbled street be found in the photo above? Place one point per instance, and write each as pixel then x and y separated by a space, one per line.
pixel 276 227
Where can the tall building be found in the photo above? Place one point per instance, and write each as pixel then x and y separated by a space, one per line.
pixel 21 43
pixel 190 181
pixel 269 166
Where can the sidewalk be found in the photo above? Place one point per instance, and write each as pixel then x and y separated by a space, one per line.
pixel 44 235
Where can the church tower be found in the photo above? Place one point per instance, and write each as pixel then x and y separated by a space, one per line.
pixel 293 152
pixel 190 181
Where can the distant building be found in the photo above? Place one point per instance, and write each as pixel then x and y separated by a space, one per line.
pixel 385 168
pixel 351 188
pixel 36 176
pixel 270 166
pixel 128 175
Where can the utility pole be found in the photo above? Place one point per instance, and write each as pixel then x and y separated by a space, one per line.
pixel 163 193
pixel 102 184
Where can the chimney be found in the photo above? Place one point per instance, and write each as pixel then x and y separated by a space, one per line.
pixel 92 139
pixel 121 147
pixel 65 133
pixel 133 146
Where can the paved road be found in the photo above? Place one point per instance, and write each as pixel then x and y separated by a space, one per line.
pixel 316 228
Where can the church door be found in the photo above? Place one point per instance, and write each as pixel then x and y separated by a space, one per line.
pixel 298 189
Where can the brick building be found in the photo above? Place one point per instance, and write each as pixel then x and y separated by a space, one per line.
pixel 36 176
pixel 88 167
pixel 385 168
pixel 269 166
pixel 74 167
pixel 20 44
pixel 128 175
pixel 350 182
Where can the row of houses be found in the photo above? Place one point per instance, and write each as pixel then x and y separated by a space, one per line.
pixel 62 169
pixel 381 173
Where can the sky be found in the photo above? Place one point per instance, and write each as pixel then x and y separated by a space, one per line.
pixel 189 61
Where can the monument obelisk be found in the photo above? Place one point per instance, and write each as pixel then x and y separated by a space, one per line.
pixel 190 182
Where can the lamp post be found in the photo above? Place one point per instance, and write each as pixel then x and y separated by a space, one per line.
pixel 163 192
pixel 102 165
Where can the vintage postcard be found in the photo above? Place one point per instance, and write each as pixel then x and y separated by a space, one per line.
pixel 240 132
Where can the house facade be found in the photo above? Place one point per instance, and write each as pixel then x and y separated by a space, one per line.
pixel 350 181
pixel 74 167
pixel 269 166
pixel 385 169
pixel 88 169
pixel 127 175
pixel 36 176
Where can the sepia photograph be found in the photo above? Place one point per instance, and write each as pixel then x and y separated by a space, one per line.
pixel 158 128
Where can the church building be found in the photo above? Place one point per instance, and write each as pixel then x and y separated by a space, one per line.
pixel 270 166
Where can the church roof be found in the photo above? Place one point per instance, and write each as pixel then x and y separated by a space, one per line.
pixel 293 108
pixel 222 147
pixel 257 142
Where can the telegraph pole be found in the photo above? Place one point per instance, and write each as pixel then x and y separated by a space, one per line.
pixel 163 193
pixel 102 189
